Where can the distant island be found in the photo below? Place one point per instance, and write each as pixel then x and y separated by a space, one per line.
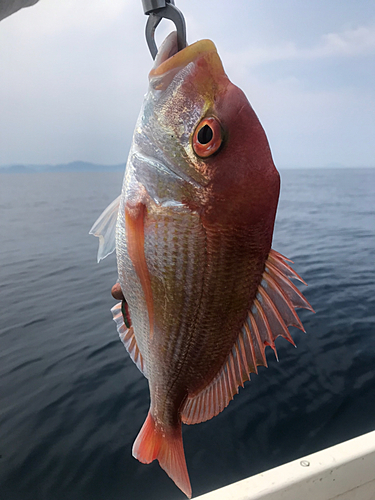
pixel 74 166
pixel 85 166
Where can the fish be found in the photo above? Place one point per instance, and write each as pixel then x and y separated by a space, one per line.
pixel 204 293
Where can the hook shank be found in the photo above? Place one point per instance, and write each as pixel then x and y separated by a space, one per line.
pixel 156 11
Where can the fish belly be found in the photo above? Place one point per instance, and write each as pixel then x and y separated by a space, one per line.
pixel 203 281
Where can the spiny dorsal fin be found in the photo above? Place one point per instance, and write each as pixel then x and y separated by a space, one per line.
pixel 105 229
pixel 270 315
pixel 128 338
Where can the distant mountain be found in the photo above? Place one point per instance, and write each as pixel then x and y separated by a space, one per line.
pixel 84 166
pixel 75 166
pixel 17 169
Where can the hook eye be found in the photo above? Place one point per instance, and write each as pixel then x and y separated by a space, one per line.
pixel 156 11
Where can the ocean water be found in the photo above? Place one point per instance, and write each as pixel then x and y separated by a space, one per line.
pixel 72 401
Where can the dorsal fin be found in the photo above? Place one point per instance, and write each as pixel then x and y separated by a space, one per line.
pixel 105 229
pixel 128 339
pixel 270 315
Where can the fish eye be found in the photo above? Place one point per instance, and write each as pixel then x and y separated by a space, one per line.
pixel 207 137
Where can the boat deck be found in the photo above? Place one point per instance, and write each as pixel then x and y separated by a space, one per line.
pixel 343 472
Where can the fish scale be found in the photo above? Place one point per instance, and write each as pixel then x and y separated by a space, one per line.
pixel 175 277
pixel 223 307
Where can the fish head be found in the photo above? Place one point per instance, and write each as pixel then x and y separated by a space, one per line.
pixel 203 130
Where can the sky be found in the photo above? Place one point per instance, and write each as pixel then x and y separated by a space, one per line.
pixel 73 74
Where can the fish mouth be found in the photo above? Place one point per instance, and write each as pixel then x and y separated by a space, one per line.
pixel 168 49
pixel 170 60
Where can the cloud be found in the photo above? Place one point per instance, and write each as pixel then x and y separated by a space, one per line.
pixel 310 127
pixel 73 75
pixel 71 86
pixel 360 41
pixel 348 43
pixel 51 18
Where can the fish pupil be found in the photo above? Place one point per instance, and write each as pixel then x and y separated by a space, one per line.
pixel 205 134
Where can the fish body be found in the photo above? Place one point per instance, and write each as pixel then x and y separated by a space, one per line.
pixel 205 294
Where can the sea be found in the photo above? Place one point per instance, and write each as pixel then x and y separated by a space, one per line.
pixel 72 401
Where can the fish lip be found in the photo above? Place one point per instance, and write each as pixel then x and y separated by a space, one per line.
pixel 168 48
pixel 170 60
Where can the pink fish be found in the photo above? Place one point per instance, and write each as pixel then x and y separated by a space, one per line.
pixel 204 292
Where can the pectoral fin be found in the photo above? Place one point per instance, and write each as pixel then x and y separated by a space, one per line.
pixel 105 229
pixel 271 314
pixel 135 234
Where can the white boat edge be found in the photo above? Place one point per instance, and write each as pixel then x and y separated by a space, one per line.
pixel 343 472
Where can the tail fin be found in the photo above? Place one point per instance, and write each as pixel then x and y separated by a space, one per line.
pixel 167 447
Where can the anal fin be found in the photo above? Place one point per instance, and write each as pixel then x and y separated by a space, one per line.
pixel 272 311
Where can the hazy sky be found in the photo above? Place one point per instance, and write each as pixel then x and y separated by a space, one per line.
pixel 73 74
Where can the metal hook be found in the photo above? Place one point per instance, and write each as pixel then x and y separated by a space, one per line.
pixel 156 11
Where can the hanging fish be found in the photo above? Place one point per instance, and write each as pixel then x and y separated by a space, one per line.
pixel 204 292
